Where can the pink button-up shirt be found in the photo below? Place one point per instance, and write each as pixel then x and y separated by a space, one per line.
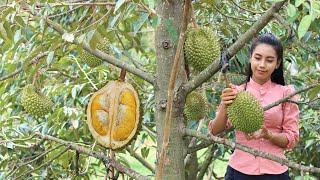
pixel 281 119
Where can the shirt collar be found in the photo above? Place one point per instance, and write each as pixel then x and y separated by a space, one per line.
pixel 266 85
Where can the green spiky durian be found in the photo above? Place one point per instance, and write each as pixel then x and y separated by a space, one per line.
pixel 245 113
pixel 196 106
pixel 34 103
pixel 92 60
pixel 237 79
pixel 201 48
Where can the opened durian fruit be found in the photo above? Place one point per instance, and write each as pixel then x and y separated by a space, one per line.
pixel 113 114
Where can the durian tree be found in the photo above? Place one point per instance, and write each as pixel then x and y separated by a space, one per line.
pixel 55 55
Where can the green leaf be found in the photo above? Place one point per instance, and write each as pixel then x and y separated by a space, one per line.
pixel 74 92
pixel 89 36
pixel 291 10
pixel 17 36
pixel 94 39
pixel 315 9
pixel 313 93
pixel 114 20
pixel 81 38
pixel 3 32
pixel 145 152
pixel 118 5
pixel 142 19
pixel 151 4
pixel 304 25
pixel 50 57
pixel 129 9
pixel 20 21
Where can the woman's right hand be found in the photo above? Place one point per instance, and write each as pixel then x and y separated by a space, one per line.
pixel 228 94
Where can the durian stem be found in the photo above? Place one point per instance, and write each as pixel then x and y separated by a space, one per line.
pixel 93 85
pixel 113 157
pixel 35 80
pixel 193 18
pixel 226 79
pixel 122 75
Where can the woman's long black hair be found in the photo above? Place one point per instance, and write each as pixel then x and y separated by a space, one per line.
pixel 268 38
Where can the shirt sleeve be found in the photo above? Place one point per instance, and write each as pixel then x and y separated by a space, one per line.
pixel 210 126
pixel 291 118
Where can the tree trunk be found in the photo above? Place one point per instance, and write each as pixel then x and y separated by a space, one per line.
pixel 171 17
pixel 192 167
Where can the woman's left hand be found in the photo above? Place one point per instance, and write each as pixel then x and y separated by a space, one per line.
pixel 261 133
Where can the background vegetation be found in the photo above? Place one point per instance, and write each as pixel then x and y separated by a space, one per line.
pixel 32 50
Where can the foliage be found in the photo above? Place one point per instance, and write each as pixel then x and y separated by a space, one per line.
pixel 129 26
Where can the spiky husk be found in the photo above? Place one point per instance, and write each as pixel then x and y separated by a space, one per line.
pixel 245 113
pixel 237 79
pixel 113 114
pixel 196 106
pixel 92 60
pixel 35 103
pixel 201 47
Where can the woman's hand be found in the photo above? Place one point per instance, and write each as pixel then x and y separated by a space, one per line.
pixel 228 95
pixel 261 133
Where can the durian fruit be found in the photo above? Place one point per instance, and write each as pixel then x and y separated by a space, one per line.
pixel 237 79
pixel 91 60
pixel 201 47
pixel 196 106
pixel 34 103
pixel 113 114
pixel 245 112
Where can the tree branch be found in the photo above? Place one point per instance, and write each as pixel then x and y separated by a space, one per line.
pixel 232 17
pixel 193 142
pixel 141 159
pixel 105 57
pixel 245 9
pixel 35 60
pixel 195 148
pixel 215 139
pixel 208 160
pixel 44 164
pixel 287 98
pixel 172 81
pixel 98 155
pixel 232 50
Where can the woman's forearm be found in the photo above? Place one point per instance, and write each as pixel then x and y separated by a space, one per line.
pixel 218 125
pixel 278 139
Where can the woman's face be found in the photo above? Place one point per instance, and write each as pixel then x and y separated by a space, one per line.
pixel 263 62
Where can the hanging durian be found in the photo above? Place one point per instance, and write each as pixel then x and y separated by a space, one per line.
pixel 35 103
pixel 196 106
pixel 201 47
pixel 113 114
pixel 91 60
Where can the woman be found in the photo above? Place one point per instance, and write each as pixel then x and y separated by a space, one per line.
pixel 280 130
